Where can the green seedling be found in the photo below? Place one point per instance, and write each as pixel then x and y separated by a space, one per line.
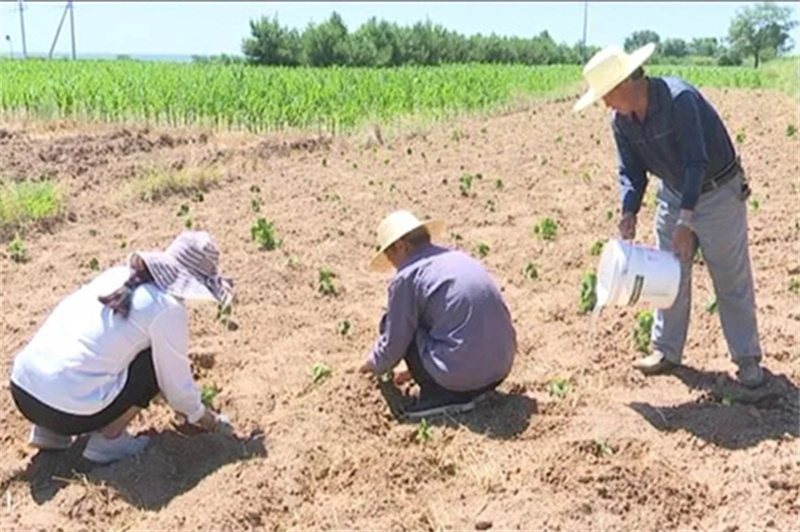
pixel 263 232
pixel 482 250
pixel 498 184
pixel 755 204
pixel 224 313
pixel 586 177
pixel 320 372
pixel 465 184
pixel 490 205
pixel 609 215
pixel 596 248
pixel 602 448
pixel 457 237
pixel 94 264
pixel 198 197
pixel 588 292
pixel 17 251
pixel 207 394
pixel 344 327
pixel 255 204
pixel 530 272
pixel 740 137
pixel 423 432
pixel 642 330
pixel 791 130
pixel 546 229
pixel 123 244
pixel 326 286
pixel 184 213
pixel 794 285
pixel 559 138
pixel 711 306
pixel 559 387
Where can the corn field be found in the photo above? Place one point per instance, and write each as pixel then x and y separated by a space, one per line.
pixel 275 98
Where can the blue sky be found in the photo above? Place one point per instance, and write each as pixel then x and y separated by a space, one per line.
pixel 185 28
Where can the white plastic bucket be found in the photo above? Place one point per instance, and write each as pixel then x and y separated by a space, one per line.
pixel 634 273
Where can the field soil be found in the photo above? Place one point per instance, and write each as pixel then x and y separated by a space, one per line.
pixel 688 451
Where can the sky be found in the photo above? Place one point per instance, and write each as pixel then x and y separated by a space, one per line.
pixel 209 28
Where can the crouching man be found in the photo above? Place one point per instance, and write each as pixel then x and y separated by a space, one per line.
pixel 445 318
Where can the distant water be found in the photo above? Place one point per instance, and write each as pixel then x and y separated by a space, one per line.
pixel 166 58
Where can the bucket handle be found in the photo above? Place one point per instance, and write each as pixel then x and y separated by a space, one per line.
pixel 627 256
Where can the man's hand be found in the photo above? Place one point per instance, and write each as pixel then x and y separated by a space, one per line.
pixel 627 227
pixel 683 243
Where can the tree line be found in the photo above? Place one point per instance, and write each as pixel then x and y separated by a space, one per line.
pixel 759 32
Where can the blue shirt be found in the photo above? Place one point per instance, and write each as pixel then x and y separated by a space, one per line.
pixel 446 302
pixel 681 140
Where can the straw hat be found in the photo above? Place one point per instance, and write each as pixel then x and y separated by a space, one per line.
pixel 188 268
pixel 608 68
pixel 393 228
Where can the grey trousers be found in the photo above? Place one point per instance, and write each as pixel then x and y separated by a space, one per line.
pixel 720 221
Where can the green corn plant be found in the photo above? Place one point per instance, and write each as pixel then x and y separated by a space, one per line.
pixel 559 387
pixel 588 294
pixel 530 272
pixel 16 250
pixel 207 394
pixel 546 229
pixel 263 232
pixel 326 285
pixel 320 372
pixel 597 248
pixel 642 329
pixel 423 432
pixel 482 250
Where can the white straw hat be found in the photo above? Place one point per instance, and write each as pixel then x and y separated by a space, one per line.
pixel 394 227
pixel 188 268
pixel 608 68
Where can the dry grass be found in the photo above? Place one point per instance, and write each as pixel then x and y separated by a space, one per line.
pixel 158 183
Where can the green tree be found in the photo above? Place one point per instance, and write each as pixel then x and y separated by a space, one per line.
pixel 762 30
pixel 704 46
pixel 271 43
pixel 326 44
pixel 638 39
pixel 674 48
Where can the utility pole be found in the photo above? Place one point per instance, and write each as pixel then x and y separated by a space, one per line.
pixel 72 26
pixel 585 21
pixel 22 26
pixel 11 45
pixel 58 32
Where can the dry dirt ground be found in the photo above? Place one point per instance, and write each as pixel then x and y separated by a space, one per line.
pixel 620 452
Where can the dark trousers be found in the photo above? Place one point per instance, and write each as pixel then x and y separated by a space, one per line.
pixel 140 388
pixel 429 387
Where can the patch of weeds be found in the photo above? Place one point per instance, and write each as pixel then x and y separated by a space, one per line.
pixel 490 205
pixel 326 285
pixel 596 248
pixel 27 202
pixel 344 327
pixel 546 229
pixel 263 232
pixel 642 330
pixel 157 184
pixel 207 394
pixel 320 372
pixel 559 387
pixel 498 184
pixel 794 285
pixel 16 250
pixel 791 130
pixel 94 264
pixel 588 292
pixel 465 184
pixel 482 249
pixel 711 306
pixel 423 432
pixel 530 272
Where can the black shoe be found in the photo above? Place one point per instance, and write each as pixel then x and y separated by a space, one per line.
pixel 438 404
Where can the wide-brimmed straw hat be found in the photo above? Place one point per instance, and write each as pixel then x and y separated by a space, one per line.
pixel 394 227
pixel 608 68
pixel 188 268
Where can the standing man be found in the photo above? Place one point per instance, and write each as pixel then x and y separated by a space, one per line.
pixel 666 127
pixel 446 318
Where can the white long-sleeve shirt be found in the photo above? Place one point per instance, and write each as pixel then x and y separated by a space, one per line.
pixel 78 361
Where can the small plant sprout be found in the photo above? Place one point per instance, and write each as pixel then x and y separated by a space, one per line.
pixel 456 237
pixel 326 286
pixel 207 394
pixel 184 212
pixel 198 197
pixel 558 139
pixel 498 184
pixel 482 249
pixel 94 264
pixel 791 130
pixel 586 176
pixel 794 285
pixel 17 251
pixel 320 372
pixel 559 387
pixel 263 232
pixel 642 330
pixel 740 136
pixel 609 215
pixel 711 306
pixel 465 184
pixel 423 432
pixel 546 229
pixel 602 448
pixel 588 292
pixel 344 327
pixel 490 205
pixel 755 204
pixel 530 272
pixel 596 248
pixel 224 313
